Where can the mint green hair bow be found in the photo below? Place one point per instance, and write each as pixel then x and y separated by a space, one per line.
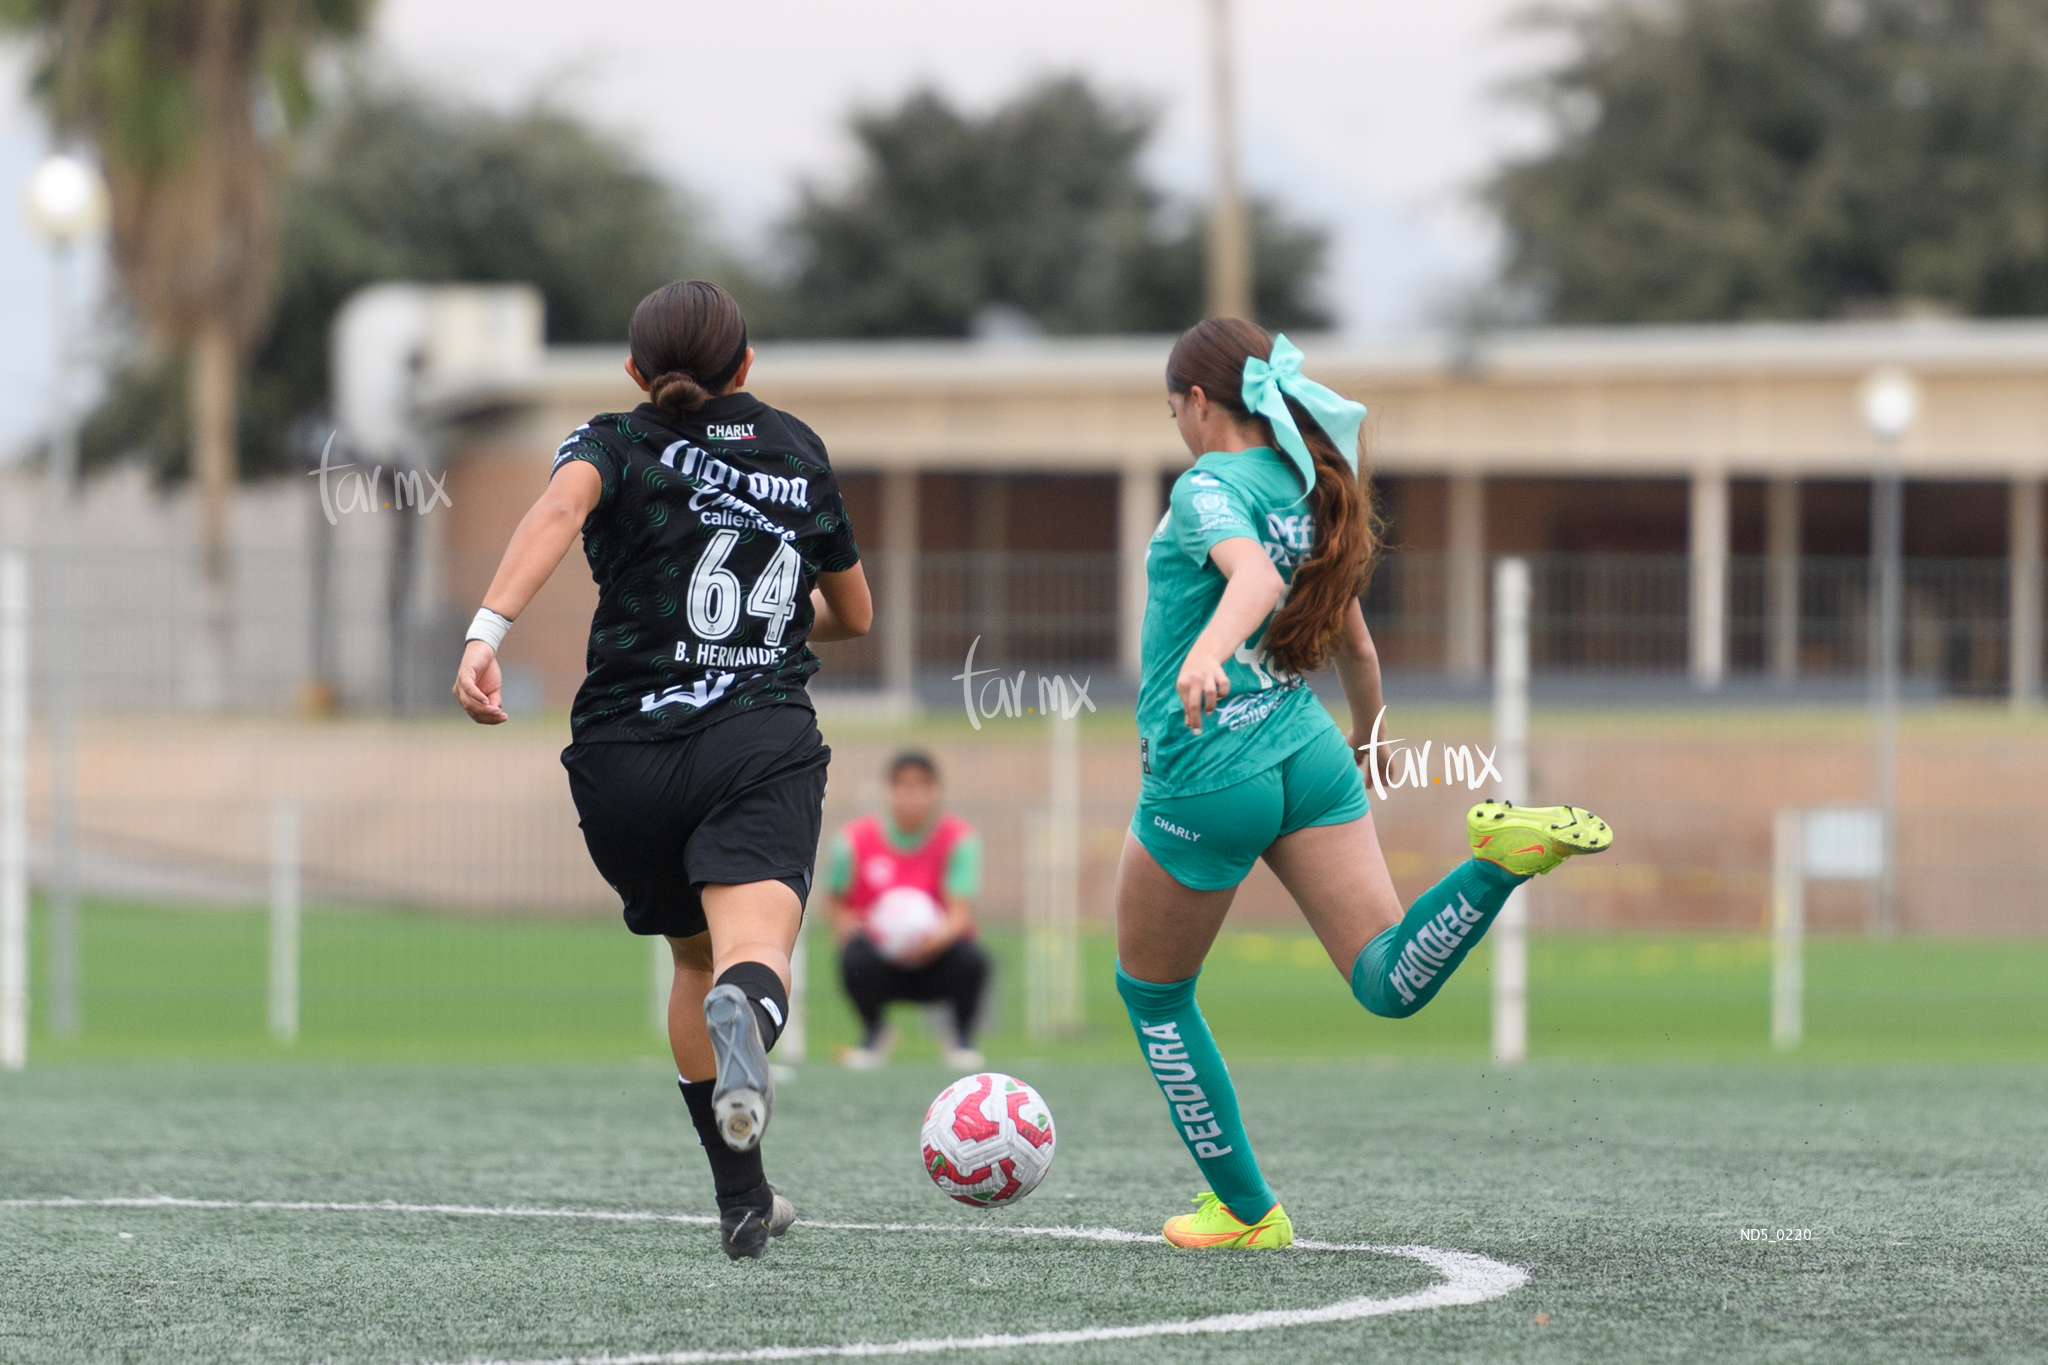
pixel 1268 384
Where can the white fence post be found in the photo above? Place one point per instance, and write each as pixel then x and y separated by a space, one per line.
pixel 1511 735
pixel 662 980
pixel 1052 890
pixel 13 811
pixel 284 922
pixel 795 1047
pixel 1788 928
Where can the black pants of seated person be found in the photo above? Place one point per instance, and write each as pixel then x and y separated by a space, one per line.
pixel 958 976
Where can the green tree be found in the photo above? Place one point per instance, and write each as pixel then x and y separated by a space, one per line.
pixel 190 105
pixel 391 186
pixel 1038 207
pixel 1723 159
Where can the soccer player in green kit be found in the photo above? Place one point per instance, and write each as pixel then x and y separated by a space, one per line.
pixel 1253 580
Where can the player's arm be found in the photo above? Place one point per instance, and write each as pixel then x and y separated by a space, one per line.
pixel 1358 669
pixel 542 537
pixel 962 884
pixel 845 924
pixel 1253 591
pixel 844 609
pixel 838 880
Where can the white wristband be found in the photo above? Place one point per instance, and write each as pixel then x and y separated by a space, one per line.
pixel 488 627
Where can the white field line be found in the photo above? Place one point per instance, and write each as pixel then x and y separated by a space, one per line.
pixel 1468 1278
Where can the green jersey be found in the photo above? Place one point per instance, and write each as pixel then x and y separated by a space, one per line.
pixel 1269 713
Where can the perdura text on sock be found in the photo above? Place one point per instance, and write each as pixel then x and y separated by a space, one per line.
pixel 1434 944
pixel 1168 1058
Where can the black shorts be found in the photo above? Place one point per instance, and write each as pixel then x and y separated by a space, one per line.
pixel 738 801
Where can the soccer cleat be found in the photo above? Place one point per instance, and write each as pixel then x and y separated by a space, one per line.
pixel 744 1095
pixel 1530 840
pixel 1213 1226
pixel 744 1230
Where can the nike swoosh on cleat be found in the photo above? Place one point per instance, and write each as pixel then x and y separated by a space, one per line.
pixel 1209 1239
pixel 1533 848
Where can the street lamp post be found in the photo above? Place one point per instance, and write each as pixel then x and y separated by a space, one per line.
pixel 1890 403
pixel 66 204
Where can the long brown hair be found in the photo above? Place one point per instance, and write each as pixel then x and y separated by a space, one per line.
pixel 688 339
pixel 1302 635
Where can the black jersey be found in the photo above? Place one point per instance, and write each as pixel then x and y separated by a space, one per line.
pixel 710 533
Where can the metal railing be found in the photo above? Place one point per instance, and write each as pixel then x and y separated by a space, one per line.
pixel 383 634
pixel 1631 614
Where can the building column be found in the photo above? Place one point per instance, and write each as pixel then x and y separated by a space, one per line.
pixel 991 574
pixel 2023 649
pixel 1709 547
pixel 1138 512
pixel 1781 545
pixel 897 613
pixel 1465 582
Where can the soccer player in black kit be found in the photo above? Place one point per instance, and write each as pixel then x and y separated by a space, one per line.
pixel 720 546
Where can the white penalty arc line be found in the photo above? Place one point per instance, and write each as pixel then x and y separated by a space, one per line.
pixel 1469 1278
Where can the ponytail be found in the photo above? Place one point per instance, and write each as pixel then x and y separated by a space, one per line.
pixel 1310 623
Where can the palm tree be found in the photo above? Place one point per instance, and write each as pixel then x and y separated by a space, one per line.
pixel 190 105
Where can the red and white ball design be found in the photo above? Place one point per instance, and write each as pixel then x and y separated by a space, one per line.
pixel 988 1139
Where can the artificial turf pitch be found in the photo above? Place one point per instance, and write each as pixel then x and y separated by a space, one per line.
pixel 1624 1190
pixel 1672 1189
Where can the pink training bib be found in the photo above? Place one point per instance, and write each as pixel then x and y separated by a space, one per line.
pixel 878 865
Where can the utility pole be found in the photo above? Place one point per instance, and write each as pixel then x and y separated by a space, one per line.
pixel 1230 238
pixel 1891 402
pixel 67 202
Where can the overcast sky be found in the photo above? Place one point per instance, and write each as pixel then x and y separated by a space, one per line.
pixel 1376 120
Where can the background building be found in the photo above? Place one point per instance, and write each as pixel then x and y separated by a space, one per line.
pixel 1697 499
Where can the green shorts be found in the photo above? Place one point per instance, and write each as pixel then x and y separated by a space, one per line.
pixel 1209 842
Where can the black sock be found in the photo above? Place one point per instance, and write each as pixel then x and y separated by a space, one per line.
pixel 736 1177
pixel 765 993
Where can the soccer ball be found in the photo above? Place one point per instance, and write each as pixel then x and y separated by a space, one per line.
pixel 902 919
pixel 988 1140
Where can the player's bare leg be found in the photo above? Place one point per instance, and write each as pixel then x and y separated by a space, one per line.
pixel 753 930
pixel 1339 878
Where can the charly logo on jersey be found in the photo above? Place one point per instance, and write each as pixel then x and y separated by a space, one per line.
pixel 729 431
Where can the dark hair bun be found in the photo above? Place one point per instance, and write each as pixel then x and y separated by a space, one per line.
pixel 677 392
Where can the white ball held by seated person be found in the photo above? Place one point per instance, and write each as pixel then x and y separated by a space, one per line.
pixel 988 1140
pixel 902 921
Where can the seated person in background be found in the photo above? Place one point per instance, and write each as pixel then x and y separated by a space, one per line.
pixel 899 885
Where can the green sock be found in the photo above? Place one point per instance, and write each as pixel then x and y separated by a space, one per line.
pixel 1190 1071
pixel 1401 970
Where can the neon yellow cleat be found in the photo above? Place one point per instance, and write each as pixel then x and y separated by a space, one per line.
pixel 1213 1226
pixel 1530 840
